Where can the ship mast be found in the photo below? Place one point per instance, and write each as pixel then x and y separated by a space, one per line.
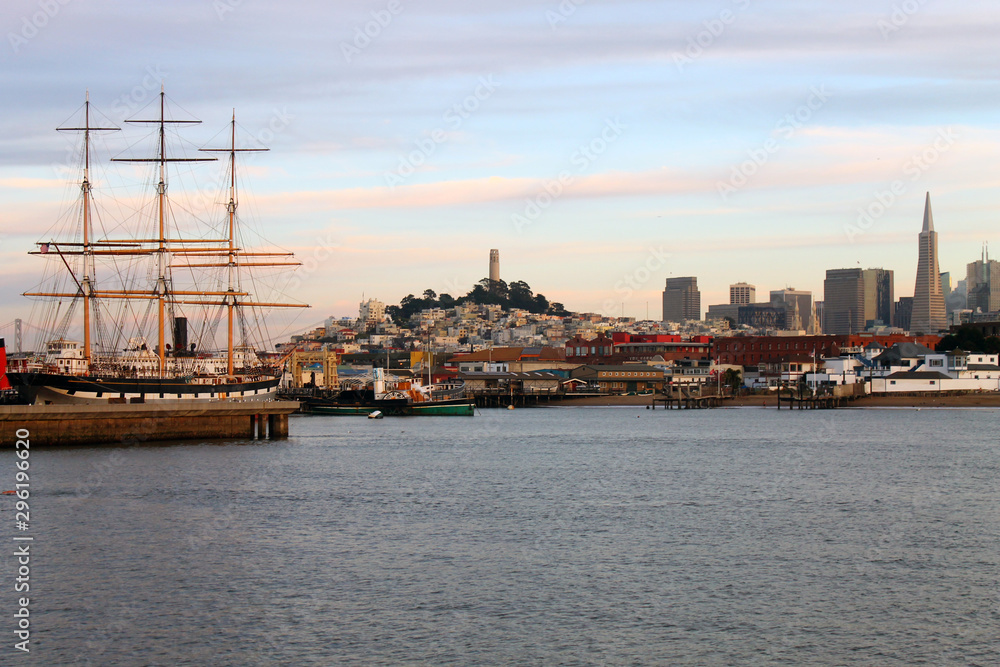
pixel 162 289
pixel 86 284
pixel 230 299
pixel 186 253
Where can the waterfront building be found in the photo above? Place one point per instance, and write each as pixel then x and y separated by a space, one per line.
pixel 755 350
pixel 583 350
pixel 621 379
pixel 742 294
pixel 928 301
pixel 651 348
pixel 512 359
pixel 500 383
pixel 681 300
pixel 637 348
pixel 689 371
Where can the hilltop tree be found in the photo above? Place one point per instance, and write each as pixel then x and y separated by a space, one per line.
pixel 556 308
pixel 516 295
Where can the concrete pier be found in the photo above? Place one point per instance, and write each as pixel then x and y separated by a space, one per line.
pixel 145 422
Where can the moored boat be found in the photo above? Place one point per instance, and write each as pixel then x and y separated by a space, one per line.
pixel 394 396
pixel 180 273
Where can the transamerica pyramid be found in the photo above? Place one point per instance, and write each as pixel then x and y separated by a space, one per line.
pixel 929 315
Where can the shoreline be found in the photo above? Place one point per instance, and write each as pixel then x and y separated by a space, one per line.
pixel 985 400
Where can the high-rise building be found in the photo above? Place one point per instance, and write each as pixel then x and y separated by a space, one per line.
pixel 371 312
pixel 742 293
pixel 844 301
pixel 957 299
pixel 945 284
pixel 681 300
pixel 928 301
pixel 798 305
pixel 904 310
pixel 855 299
pixel 880 300
pixel 982 280
pixel 494 266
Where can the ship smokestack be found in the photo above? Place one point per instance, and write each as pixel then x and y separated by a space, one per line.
pixel 180 335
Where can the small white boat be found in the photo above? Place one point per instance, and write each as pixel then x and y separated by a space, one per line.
pixel 375 414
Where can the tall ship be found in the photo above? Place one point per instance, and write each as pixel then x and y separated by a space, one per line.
pixel 132 304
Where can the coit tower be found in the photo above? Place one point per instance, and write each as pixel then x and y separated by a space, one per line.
pixel 494 266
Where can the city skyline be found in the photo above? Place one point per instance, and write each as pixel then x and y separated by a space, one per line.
pixel 602 148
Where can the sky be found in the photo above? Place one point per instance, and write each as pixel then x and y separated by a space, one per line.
pixel 601 146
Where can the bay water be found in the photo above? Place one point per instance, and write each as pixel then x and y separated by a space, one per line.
pixel 555 536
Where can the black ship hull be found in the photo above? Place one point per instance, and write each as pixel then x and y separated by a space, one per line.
pixel 53 388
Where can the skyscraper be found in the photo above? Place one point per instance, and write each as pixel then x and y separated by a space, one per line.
pixel 855 299
pixel 880 300
pixel 742 293
pixel 928 301
pixel 982 280
pixel 904 309
pixel 681 300
pixel 844 301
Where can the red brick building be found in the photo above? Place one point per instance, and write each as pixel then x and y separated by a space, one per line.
pixel 583 351
pixel 755 350
pixel 623 348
